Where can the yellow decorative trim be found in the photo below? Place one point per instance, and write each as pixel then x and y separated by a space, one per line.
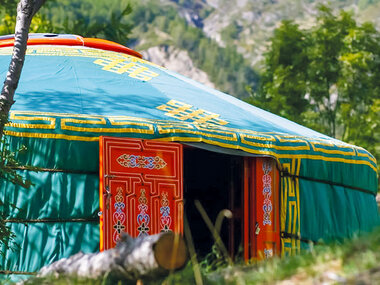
pixel 284 202
pixel 259 137
pixel 182 111
pixel 121 66
pixel 293 213
pixel 97 121
pixel 208 133
pixel 291 139
pixel 292 192
pixel 286 251
pixel 118 63
pixel 316 147
pixel 50 125
pixel 297 185
pixel 290 208
pixel 102 121
pixel 365 154
pixel 244 140
pixel 50 136
pixel 199 139
pixel 309 156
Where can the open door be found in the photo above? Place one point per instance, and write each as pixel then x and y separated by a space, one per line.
pixel 141 189
pixel 261 229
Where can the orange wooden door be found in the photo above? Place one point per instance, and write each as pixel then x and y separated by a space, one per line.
pixel 261 228
pixel 141 189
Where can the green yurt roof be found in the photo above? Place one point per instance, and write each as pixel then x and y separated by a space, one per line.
pixel 79 92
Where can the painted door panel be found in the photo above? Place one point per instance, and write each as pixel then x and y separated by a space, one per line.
pixel 141 188
pixel 261 232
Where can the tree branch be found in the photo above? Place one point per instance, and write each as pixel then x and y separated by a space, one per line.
pixel 26 9
pixel 37 5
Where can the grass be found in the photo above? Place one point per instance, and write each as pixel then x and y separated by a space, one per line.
pixel 355 261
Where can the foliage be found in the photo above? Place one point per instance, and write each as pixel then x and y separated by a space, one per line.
pixel 8 11
pixel 8 166
pixel 365 3
pixel 231 32
pixel 213 260
pixel 326 77
pixel 6 234
pixel 101 19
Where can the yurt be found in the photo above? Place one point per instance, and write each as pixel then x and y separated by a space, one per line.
pixel 116 143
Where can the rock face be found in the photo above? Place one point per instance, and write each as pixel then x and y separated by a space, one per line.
pixel 258 18
pixel 246 25
pixel 176 60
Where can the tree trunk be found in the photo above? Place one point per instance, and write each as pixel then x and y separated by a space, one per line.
pixel 25 12
pixel 132 259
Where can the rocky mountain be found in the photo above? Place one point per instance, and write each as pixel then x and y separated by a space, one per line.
pixel 176 60
pixel 248 24
pixel 244 26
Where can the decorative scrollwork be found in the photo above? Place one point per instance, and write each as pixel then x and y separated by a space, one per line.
pixel 118 216
pixel 267 192
pixel 143 218
pixel 138 161
pixel 166 220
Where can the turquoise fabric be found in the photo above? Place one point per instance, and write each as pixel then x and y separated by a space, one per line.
pixel 352 175
pixel 57 154
pixel 333 212
pixel 53 195
pixel 39 244
pixel 56 196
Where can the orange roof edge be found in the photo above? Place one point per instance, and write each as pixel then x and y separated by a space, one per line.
pixel 72 40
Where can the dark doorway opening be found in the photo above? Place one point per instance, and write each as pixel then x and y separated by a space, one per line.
pixel 216 181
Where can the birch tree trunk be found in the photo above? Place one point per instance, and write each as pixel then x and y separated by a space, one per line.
pixel 145 257
pixel 26 9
